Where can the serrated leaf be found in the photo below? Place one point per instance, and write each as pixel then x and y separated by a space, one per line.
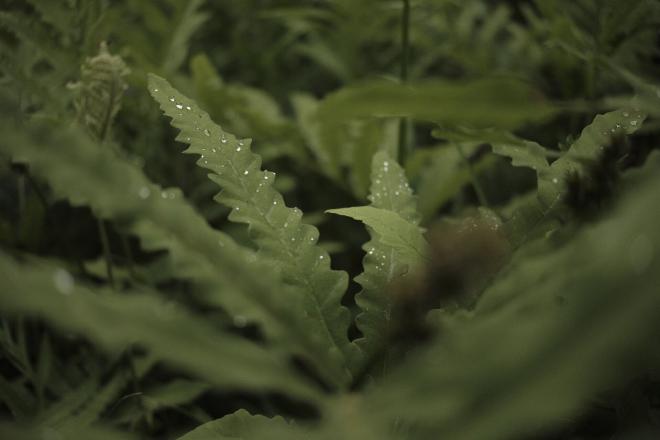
pixel 278 231
pixel 591 143
pixel 382 263
pixel 393 230
pixel 522 152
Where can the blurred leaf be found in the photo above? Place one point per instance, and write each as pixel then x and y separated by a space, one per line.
pixel 495 102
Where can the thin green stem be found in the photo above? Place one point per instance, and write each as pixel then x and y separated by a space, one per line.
pixel 481 195
pixel 404 123
pixel 128 254
pixel 105 243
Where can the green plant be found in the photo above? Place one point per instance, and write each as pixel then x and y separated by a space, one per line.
pixel 508 278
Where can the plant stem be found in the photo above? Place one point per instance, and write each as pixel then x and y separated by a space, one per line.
pixel 404 123
pixel 105 243
pixel 481 195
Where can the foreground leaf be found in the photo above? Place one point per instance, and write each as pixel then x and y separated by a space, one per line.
pixel 168 331
pixel 282 238
pixel 585 313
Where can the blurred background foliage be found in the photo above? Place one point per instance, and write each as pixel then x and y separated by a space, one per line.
pixel 318 86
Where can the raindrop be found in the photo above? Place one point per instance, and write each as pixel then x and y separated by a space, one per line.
pixel 555 180
pixel 171 99
pixel 179 106
pixel 155 90
pixel 274 202
pixel 245 172
pixel 238 148
pixel 163 194
pixel 144 192
pixel 321 257
pixel 212 150
pixel 188 107
pixel 63 281
pixel 223 139
pixel 207 132
pixel 633 123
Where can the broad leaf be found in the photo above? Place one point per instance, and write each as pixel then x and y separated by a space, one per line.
pixel 496 102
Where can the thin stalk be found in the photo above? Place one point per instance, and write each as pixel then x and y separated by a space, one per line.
pixel 404 123
pixel 105 243
pixel 481 195
pixel 128 254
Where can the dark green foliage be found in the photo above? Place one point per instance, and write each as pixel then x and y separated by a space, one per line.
pixel 500 281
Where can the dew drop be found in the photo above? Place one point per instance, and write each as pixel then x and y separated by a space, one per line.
pixel 188 107
pixel 144 193
pixel 321 257
pixel 555 180
pixel 179 106
pixel 172 99
pixel 207 132
pixel 63 281
pixel 155 90
pixel 633 123
pixel 245 172
pixel 240 321
pixel 238 148
pixel 223 139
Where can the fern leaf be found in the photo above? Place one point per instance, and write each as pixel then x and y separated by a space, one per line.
pixel 100 91
pixel 278 231
pixel 592 141
pixel 187 21
pixel 166 330
pixel 382 262
pixel 394 231
pixel 242 425
pixel 540 213
pixel 523 153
